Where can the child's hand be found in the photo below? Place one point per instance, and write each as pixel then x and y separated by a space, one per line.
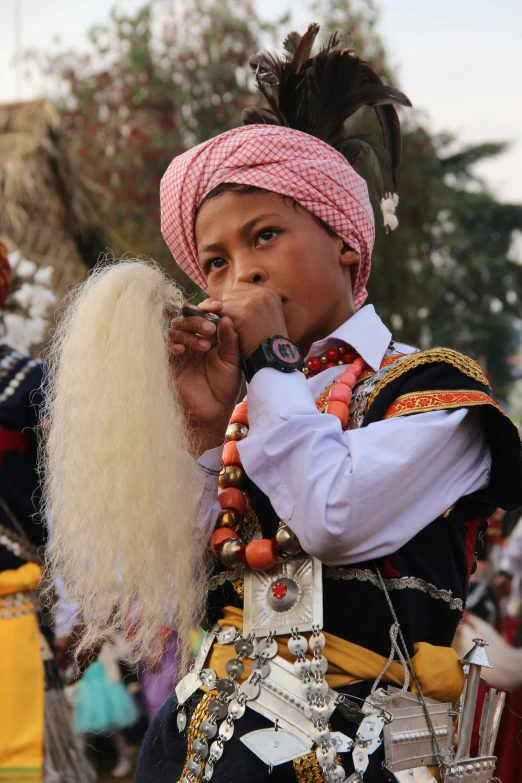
pixel 256 312
pixel 206 367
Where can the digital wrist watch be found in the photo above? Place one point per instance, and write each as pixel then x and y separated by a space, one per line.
pixel 278 352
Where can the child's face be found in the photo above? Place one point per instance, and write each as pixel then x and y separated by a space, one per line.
pixel 264 239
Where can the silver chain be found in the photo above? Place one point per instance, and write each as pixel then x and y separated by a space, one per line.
pixel 438 752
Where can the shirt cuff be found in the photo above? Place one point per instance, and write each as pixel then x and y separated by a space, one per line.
pixel 210 461
pixel 276 395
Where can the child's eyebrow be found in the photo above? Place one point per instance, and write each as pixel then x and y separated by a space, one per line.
pixel 216 247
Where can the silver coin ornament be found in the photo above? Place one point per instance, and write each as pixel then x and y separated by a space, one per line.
pixel 297 645
pixel 217 708
pixel 208 728
pixel 319 665
pixel 181 720
pixel 267 648
pixel 249 691
pixel 216 750
pixel 226 731
pixel 320 736
pixel 318 688
pixel 234 667
pixel 261 668
pixel 302 668
pixel 226 686
pixel 244 646
pixel 236 710
pixel 337 774
pixel 194 766
pixel 200 746
pixel 317 642
pixel 325 755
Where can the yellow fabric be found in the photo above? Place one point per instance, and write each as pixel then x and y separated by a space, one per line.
pixel 21 685
pixel 438 669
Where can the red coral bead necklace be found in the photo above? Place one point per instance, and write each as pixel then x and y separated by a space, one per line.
pixel 261 554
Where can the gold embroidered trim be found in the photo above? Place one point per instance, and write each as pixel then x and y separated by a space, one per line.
pixel 239 587
pixel 462 363
pixel 200 714
pixel 251 523
pixel 307 769
pixel 426 401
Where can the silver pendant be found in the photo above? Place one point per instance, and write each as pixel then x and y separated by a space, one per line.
pixel 227 635
pixel 287 596
pixel 280 699
pixel 274 746
pixel 341 742
pixel 181 720
pixel 192 681
pixel 187 686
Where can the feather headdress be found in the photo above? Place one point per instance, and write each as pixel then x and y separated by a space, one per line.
pixel 317 94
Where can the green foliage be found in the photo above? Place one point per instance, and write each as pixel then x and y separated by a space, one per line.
pixel 155 85
pixel 158 83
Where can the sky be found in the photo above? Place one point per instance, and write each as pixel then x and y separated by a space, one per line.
pixel 458 60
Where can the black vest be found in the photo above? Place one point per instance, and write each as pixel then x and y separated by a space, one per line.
pixel 428 577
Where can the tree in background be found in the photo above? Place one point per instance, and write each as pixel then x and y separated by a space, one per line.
pixel 446 275
pixel 158 83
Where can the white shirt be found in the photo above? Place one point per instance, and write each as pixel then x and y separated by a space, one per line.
pixel 360 494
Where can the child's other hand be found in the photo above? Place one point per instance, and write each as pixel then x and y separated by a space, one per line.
pixel 206 364
pixel 256 312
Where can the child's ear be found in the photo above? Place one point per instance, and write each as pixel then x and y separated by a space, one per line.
pixel 348 256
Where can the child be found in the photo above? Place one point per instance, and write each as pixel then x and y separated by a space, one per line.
pixel 351 493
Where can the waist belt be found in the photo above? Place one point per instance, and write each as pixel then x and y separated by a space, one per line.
pixel 438 669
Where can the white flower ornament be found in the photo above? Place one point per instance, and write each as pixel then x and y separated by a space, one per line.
pixel 388 204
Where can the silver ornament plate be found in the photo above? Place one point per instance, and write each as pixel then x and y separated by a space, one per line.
pixel 280 700
pixel 192 681
pixel 274 746
pixel 287 596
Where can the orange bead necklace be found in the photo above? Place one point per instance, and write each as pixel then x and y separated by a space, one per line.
pixel 261 554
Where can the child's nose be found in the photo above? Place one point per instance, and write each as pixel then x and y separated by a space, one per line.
pixel 250 273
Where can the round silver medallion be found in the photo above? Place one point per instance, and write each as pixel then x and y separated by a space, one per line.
pixel 282 594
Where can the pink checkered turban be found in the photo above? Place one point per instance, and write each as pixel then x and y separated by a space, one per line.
pixel 277 159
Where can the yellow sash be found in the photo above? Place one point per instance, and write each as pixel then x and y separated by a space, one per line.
pixel 21 683
pixel 438 669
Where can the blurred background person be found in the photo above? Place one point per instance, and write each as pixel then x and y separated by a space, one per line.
pixel 36 740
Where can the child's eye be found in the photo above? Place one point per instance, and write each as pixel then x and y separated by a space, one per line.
pixel 214 263
pixel 266 235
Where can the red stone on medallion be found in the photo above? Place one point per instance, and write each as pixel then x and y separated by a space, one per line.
pixel 279 590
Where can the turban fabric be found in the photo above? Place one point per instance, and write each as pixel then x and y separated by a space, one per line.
pixel 277 159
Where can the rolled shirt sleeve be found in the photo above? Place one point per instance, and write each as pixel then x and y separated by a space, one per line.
pixel 208 506
pixel 364 493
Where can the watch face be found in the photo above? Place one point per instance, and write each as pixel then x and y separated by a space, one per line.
pixel 285 350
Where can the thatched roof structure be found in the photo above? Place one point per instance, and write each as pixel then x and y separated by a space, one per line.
pixel 47 210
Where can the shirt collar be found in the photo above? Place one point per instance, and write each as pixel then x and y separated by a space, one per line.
pixel 364 331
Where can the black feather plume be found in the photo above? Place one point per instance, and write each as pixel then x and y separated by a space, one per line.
pixel 317 94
